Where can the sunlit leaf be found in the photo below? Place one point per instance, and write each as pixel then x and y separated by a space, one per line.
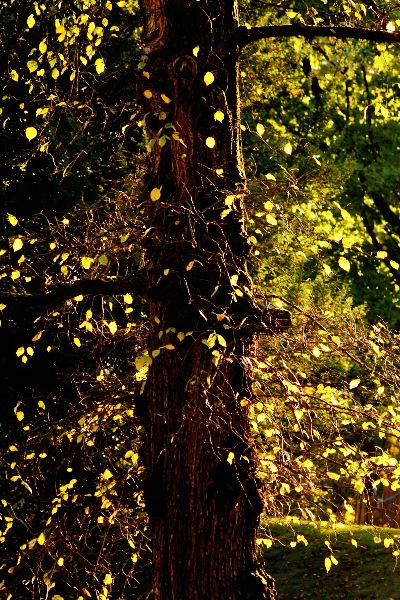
pixel 219 116
pixel 112 326
pixel 328 564
pixel 41 539
pixel 260 128
pixel 13 220
pixel 100 66
pixel 288 148
pixel 30 132
pixel 17 244
pixel 30 21
pixel 344 263
pixel 210 142
pixel 208 78
pixel 354 383
pixel 86 262
pixel 230 458
pixel 155 194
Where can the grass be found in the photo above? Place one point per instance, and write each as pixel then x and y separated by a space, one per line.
pixel 366 572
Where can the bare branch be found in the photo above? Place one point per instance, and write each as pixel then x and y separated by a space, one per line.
pixel 247 36
pixel 137 284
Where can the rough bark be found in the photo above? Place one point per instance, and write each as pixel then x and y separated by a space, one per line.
pixel 201 490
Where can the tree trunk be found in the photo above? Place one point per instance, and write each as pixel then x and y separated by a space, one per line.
pixel 201 491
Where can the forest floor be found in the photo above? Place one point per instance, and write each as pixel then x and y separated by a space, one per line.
pixel 367 566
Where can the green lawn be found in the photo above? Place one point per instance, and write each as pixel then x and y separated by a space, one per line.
pixel 366 572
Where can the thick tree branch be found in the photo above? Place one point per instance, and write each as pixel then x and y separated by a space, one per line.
pixel 247 36
pixel 137 284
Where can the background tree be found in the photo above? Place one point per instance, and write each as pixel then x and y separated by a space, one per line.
pixel 196 412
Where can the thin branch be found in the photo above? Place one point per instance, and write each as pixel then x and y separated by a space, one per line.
pixel 247 36
pixel 137 284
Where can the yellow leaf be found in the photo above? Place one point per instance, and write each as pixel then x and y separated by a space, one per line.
pixel 190 265
pixel 60 563
pixel 30 21
pixel 354 542
pixel 148 94
pixel 86 262
pixel 30 133
pixel 334 560
pixel 41 404
pixel 37 336
pixel 24 359
pixel 381 254
pixel 328 564
pixel 288 148
pixel 13 220
pixel 327 269
pixel 394 264
pixel 100 66
pixel 41 539
pixel 32 65
pixel 42 47
pixel 77 342
pixel 17 244
pixel 165 98
pixel 354 383
pixel 196 50
pixel 390 26
pixel 219 171
pixel 15 275
pixel 230 458
pixel 155 194
pixel 219 116
pixel 107 579
pixel 55 73
pixel 107 474
pixel 344 263
pixel 169 347
pixel 208 78
pixel 128 299
pixel 103 260
pixel 78 298
pixel 388 542
pixel 20 415
pixel 271 219
pixel 334 476
pixel 270 177
pixel 14 75
pixel 260 129
pixel 112 326
pixel 210 142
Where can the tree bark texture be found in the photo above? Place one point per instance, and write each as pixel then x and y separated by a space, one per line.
pixel 200 487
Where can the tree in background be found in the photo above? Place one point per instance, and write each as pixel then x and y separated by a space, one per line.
pixel 173 253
